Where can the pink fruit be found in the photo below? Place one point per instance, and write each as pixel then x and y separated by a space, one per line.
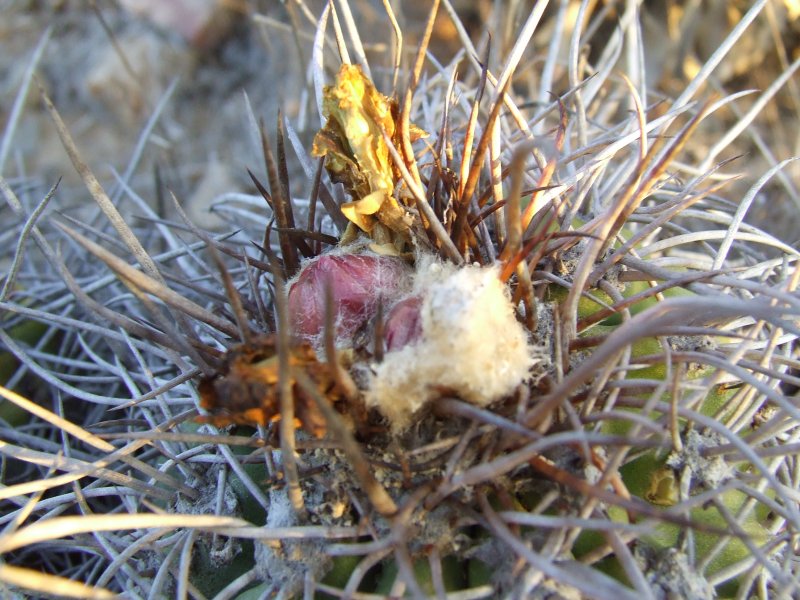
pixel 357 281
pixel 403 324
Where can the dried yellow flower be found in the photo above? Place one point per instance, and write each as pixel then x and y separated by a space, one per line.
pixel 357 156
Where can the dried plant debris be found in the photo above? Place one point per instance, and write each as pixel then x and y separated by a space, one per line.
pixel 352 141
pixel 534 350
pixel 245 390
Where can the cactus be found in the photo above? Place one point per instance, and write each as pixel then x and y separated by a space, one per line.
pixel 512 343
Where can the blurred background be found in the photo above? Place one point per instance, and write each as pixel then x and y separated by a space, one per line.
pixel 110 65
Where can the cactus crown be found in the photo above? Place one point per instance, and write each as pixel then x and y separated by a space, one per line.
pixel 541 353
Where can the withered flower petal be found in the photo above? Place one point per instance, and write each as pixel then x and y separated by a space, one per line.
pixel 245 392
pixel 356 153
pixel 357 115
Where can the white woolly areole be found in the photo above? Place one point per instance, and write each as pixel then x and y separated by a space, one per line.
pixel 471 344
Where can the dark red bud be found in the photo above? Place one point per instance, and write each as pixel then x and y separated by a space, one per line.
pixel 403 323
pixel 357 282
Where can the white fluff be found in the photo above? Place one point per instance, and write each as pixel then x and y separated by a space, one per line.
pixel 472 345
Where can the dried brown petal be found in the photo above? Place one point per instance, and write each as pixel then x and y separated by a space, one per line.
pixel 246 390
